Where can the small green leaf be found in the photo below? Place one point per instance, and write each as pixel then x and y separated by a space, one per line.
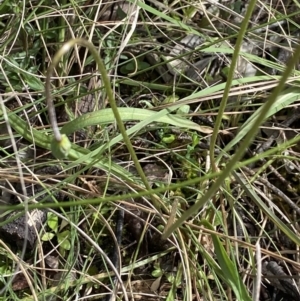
pixel 63 234
pixel 157 270
pixel 168 138
pixel 170 277
pixel 63 240
pixel 185 109
pixel 33 82
pixel 170 99
pixel 195 139
pixel 66 244
pixel 47 236
pixel 52 221
pixel 157 273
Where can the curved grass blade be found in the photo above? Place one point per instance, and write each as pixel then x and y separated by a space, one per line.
pixel 249 137
pixel 286 98
pixel 127 114
pixel 245 184
pixel 42 140
pixel 229 269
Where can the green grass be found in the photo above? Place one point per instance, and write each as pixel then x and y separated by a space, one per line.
pixel 206 181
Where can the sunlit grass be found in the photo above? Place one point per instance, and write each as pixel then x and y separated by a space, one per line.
pixel 200 200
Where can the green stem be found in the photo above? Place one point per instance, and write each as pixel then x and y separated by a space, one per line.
pixel 61 144
pixel 230 78
pixel 231 165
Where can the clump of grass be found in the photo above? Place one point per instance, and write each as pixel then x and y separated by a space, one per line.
pixel 208 181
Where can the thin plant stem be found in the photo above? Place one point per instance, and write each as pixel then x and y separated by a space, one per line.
pixel 230 77
pixel 58 137
pixel 232 164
